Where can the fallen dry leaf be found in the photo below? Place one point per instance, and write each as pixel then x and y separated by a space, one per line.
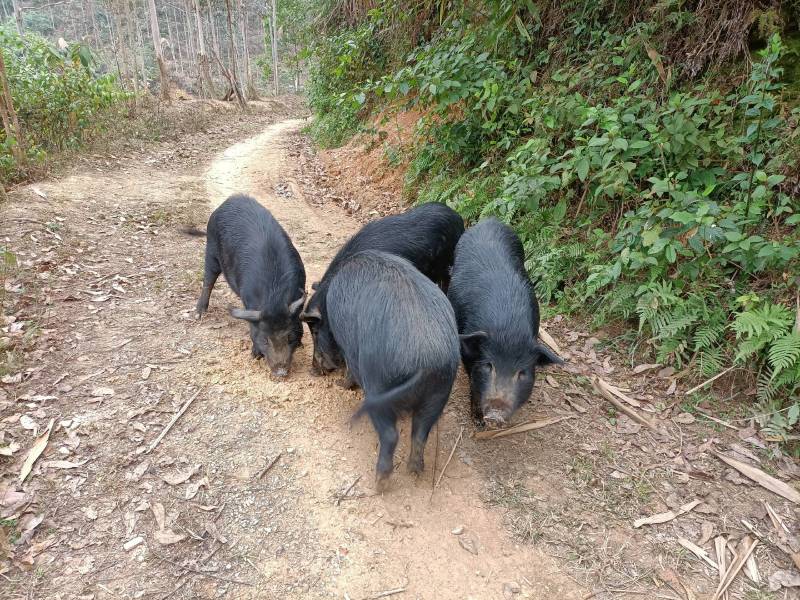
pixel 214 532
pixel 10 449
pixel 35 452
pixel 468 544
pixel 130 522
pixel 146 373
pixel 159 514
pixel 166 537
pixel 102 391
pixel 667 516
pixel 193 488
pixel 684 418
pixel 140 470
pixel 786 579
pixel 707 532
pixel 178 478
pixel 646 367
pixel 766 481
pixel 29 424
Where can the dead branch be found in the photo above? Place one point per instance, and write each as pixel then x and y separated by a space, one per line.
pixel 174 420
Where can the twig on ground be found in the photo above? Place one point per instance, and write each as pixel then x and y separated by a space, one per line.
pixel 387 593
pixel 270 464
pixel 343 495
pixel 174 420
pixel 707 381
pixel 449 458
pixel 626 409
pixel 697 551
pixel 716 420
pixel 203 573
pixel 490 435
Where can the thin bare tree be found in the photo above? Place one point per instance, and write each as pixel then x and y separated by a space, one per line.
pixel 8 116
pixel 155 32
pixel 233 78
pixel 206 84
pixel 274 45
pixel 18 16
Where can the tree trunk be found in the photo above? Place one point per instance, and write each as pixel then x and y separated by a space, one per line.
pixel 138 50
pixel 95 29
pixel 8 116
pixel 155 32
pixel 214 35
pixel 252 92
pixel 130 23
pixel 202 58
pixel 18 16
pixel 237 88
pixel 275 45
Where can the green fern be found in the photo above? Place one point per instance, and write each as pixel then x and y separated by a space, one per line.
pixel 784 353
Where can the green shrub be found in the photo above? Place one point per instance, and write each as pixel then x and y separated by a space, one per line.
pixel 671 206
pixel 59 100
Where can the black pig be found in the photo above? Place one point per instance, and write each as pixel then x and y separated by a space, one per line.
pixel 426 235
pixel 263 268
pixel 397 335
pixel 498 319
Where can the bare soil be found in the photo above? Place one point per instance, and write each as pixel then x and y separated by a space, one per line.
pixel 262 489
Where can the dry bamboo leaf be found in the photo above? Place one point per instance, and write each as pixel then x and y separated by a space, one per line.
pixel 697 551
pixel 736 566
pixel 766 481
pixel 666 516
pixel 646 367
pixel 618 393
pixel 720 547
pixel 165 537
pixel 35 452
pixel 488 435
pixel 548 339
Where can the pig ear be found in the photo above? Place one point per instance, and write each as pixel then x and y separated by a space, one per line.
pixel 296 306
pixel 311 316
pixel 252 316
pixel 543 356
pixel 471 343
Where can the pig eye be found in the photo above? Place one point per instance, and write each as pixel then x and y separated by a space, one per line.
pixel 523 374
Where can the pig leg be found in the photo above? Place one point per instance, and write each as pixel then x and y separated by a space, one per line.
pixel 421 424
pixel 210 275
pixel 348 382
pixel 385 423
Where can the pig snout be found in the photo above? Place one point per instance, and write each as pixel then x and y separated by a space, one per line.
pixel 280 371
pixel 497 413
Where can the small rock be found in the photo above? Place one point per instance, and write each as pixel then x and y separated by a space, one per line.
pixel 458 530
pixel 511 589
pixel 132 543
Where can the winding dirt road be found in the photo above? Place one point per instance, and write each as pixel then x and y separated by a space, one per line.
pixel 201 516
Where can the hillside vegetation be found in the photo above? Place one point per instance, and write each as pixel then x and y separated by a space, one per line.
pixel 646 152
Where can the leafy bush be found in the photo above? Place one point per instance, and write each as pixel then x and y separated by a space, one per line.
pixel 57 96
pixel 673 207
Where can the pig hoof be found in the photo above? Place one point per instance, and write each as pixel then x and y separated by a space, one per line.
pixel 416 466
pixel 382 483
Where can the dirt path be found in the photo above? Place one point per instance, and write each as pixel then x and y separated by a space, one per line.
pixel 402 539
pixel 103 341
pixel 120 353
